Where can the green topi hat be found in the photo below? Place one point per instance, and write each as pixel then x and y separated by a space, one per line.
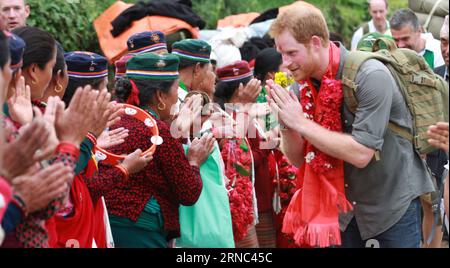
pixel 368 40
pixel 192 50
pixel 153 66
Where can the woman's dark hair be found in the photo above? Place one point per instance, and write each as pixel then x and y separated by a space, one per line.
pixel 147 89
pixel 225 90
pixel 40 46
pixel 187 63
pixel 60 61
pixel 268 60
pixel 4 50
pixel 252 47
pixel 75 83
pixel 336 37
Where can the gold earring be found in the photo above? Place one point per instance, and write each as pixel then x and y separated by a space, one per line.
pixel 163 108
pixel 58 88
pixel 33 82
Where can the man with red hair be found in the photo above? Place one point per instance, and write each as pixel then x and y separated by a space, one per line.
pixel 384 175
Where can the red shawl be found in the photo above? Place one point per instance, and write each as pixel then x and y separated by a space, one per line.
pixel 312 215
pixel 86 222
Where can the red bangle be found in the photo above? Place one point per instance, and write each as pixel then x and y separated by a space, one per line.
pixel 92 138
pixel 123 170
pixel 69 148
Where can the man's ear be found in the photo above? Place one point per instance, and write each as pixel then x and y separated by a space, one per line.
pixel 27 10
pixel 421 29
pixel 316 42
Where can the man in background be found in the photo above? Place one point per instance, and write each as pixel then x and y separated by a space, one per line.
pixel 408 33
pixel 443 70
pixel 14 13
pixel 378 10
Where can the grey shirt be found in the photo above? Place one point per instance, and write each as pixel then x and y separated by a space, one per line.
pixel 382 191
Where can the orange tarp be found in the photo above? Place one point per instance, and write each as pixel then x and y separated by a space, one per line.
pixel 239 20
pixel 115 47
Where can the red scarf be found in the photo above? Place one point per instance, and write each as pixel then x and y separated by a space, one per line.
pixel 84 225
pixel 312 215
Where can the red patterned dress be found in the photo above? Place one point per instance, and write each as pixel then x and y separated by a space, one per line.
pixel 169 177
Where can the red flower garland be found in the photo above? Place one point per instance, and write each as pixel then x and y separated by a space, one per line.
pixel 330 101
pixel 287 175
pixel 238 163
pixel 312 215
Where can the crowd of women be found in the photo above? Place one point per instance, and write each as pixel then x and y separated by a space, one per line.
pixel 208 183
pixel 171 152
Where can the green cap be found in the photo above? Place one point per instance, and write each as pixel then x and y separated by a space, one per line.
pixel 153 66
pixel 368 40
pixel 192 50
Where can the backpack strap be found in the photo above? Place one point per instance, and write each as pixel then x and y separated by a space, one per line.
pixel 401 131
pixel 349 87
pixel 365 28
pixel 351 67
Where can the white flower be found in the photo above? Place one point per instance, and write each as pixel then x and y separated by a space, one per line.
pixel 130 111
pixel 148 122
pixel 308 94
pixel 100 156
pixel 309 106
pixel 306 115
pixel 309 157
pixel 328 165
pixel 157 140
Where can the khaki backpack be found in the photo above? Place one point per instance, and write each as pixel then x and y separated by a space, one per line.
pixel 425 93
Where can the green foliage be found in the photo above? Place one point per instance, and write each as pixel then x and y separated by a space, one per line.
pixel 70 21
pixel 343 16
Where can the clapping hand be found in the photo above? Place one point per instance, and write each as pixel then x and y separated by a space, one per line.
pixel 249 93
pixel 38 189
pixel 72 124
pixel 19 155
pixel 111 138
pixel 190 111
pixel 439 135
pixel 19 104
pixel 284 104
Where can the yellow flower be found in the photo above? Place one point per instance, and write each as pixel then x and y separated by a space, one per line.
pixel 283 80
